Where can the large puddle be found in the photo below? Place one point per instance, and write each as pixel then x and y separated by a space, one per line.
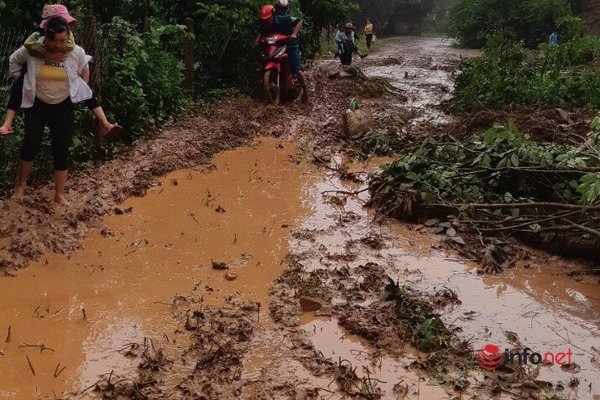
pixel 533 306
pixel 68 320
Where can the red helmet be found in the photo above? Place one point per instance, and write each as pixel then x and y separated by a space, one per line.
pixel 266 11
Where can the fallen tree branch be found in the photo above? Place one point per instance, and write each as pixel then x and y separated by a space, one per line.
pixel 583 228
pixel 502 206
pixel 528 223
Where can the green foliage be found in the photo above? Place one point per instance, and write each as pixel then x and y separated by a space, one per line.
pixel 508 73
pixel 386 14
pixel 146 81
pixel 9 156
pixel 224 33
pixel 376 143
pixel 589 184
pixel 500 166
pixel 20 14
pixel 423 325
pixel 470 21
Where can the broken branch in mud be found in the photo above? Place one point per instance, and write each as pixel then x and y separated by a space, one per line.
pixel 352 193
pixel 497 184
pixel 58 371
pixel 497 206
pixel 8 335
pixel 582 272
pixel 41 347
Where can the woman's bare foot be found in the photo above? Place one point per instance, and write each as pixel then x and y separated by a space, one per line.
pixel 19 193
pixel 60 199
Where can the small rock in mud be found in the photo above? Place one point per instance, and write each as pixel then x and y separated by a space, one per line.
pixel 219 265
pixel 191 321
pixel 230 276
pixel 105 232
pixel 572 368
pixel 251 306
pixel 308 304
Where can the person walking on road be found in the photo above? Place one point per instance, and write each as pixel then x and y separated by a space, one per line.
pixel 369 33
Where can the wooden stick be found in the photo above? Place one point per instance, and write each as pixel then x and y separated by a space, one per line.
pixel 30 366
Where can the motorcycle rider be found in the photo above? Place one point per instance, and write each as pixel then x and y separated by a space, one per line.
pixel 282 7
pixel 271 22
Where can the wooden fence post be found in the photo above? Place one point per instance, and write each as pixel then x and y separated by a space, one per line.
pixel 90 41
pixel 189 57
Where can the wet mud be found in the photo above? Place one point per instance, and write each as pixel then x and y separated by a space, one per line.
pixel 231 256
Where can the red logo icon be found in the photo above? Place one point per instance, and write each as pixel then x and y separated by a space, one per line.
pixel 489 357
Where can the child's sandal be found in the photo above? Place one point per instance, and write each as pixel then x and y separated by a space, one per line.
pixel 113 130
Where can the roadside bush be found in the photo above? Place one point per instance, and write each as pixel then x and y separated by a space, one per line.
pixel 529 20
pixel 145 81
pixel 508 73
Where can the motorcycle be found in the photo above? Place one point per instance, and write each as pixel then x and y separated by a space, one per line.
pixel 279 84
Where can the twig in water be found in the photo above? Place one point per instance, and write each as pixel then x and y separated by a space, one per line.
pixel 30 366
pixel 8 336
pixel 57 372
pixel 42 346
pixel 352 193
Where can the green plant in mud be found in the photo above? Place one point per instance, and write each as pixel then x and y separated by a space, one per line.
pixel 377 143
pixel 425 328
pixel 499 182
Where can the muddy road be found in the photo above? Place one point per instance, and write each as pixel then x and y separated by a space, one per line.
pixel 231 256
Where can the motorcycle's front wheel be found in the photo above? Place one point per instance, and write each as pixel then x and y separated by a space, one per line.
pixel 271 86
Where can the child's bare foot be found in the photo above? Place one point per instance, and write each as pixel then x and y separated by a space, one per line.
pixel 60 199
pixel 5 130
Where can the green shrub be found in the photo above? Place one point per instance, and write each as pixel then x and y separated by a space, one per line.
pixel 508 73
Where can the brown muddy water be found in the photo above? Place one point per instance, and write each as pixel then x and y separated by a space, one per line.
pixel 533 305
pixel 83 312
pixel 424 71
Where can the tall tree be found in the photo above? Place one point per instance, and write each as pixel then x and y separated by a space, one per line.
pixel 528 20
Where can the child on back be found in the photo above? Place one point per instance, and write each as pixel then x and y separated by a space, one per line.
pixel 35 47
